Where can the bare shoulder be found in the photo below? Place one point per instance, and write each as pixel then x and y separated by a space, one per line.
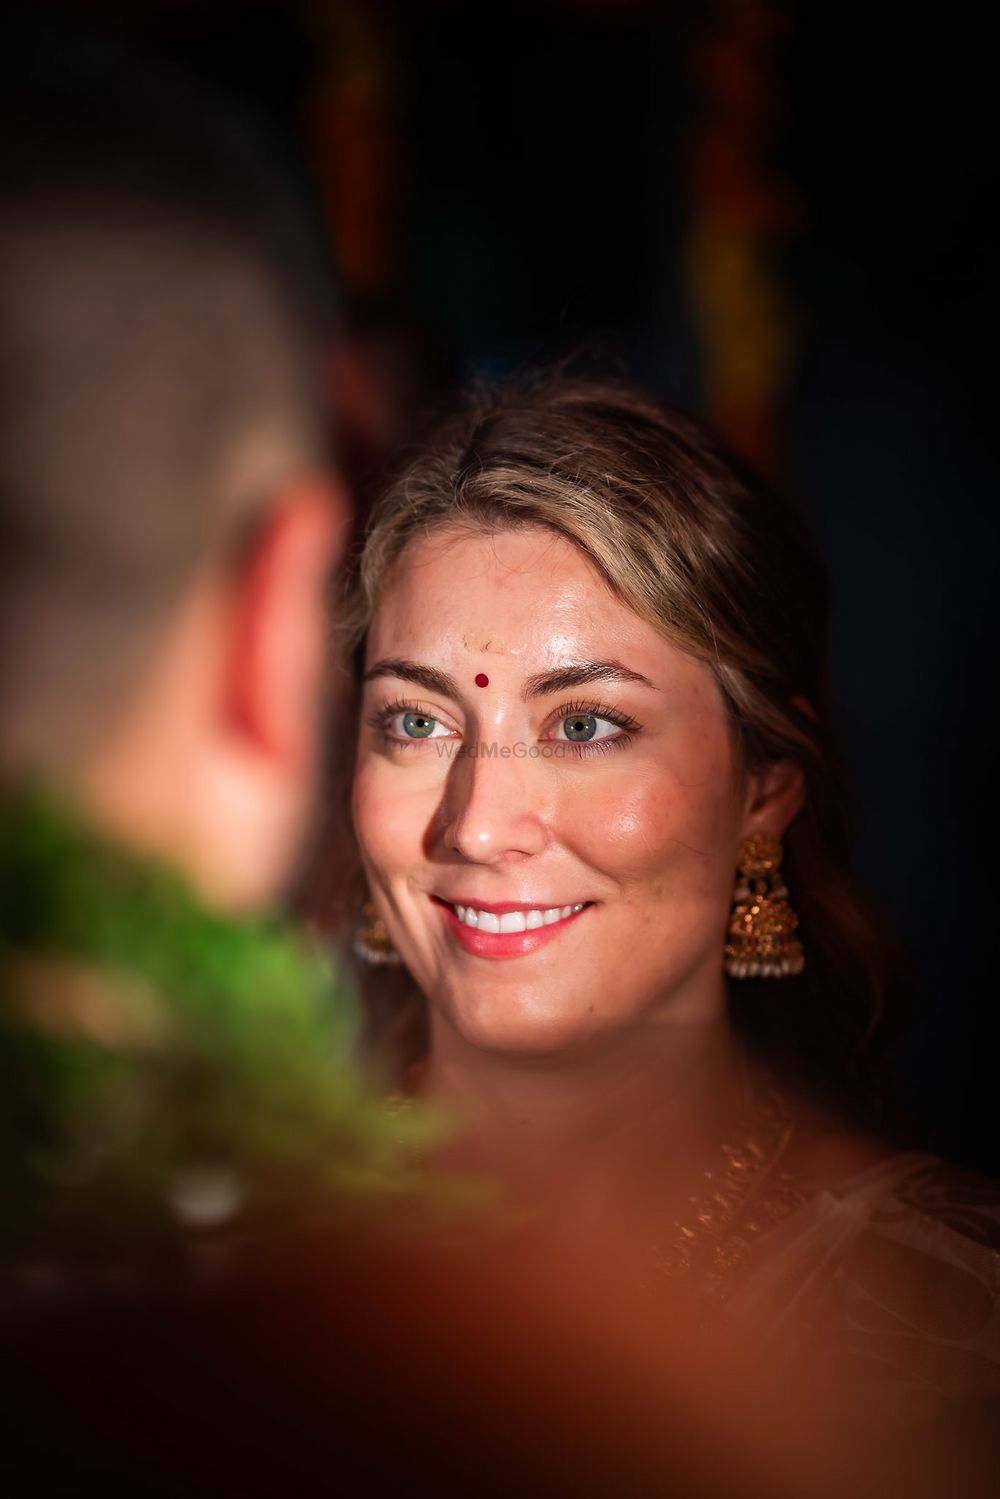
pixel 827 1154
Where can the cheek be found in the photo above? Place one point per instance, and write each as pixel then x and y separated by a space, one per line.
pixel 389 828
pixel 664 830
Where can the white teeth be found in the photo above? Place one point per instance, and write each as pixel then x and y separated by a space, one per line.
pixel 515 921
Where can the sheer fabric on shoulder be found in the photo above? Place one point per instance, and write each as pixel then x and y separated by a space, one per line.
pixel 887 1287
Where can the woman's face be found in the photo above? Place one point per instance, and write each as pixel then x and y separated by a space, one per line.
pixel 534 756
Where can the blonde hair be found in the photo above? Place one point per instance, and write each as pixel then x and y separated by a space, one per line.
pixel 723 567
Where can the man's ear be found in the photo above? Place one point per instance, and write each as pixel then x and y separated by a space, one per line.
pixel 275 666
pixel 775 794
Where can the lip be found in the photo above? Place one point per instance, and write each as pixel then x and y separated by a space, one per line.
pixel 503 944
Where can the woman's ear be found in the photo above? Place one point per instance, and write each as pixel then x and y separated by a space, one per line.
pixel 775 794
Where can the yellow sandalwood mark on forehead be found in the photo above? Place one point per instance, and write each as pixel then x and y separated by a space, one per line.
pixel 491 646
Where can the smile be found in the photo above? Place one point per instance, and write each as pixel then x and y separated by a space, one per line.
pixel 507 931
pixel 515 921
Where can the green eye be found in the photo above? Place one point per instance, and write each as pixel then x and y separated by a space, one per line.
pixel 418 725
pixel 581 726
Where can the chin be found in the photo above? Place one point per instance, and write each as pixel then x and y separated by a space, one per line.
pixel 503 1025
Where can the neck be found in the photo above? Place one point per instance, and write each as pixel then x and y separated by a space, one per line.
pixel 598 1125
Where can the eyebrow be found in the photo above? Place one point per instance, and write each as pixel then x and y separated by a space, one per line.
pixel 540 685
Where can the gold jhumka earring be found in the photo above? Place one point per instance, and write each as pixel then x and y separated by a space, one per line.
pixel 372 941
pixel 761 941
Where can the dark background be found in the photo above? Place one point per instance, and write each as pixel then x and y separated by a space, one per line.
pixel 773 213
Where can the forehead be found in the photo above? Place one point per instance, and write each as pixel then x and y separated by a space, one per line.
pixel 513 588
pixel 526 599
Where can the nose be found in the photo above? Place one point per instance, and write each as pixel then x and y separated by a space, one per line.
pixel 495 805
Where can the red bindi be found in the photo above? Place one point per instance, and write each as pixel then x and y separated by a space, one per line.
pixel 482 680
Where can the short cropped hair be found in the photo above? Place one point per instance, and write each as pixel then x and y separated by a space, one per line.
pixel 162 305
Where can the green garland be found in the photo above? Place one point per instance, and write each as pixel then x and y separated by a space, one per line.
pixel 196 1072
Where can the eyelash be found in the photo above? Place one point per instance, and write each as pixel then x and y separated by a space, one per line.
pixel 627 725
pixel 383 716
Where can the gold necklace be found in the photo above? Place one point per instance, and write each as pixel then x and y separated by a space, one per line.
pixel 746 1194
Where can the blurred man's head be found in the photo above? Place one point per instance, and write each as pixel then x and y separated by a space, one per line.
pixel 166 528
